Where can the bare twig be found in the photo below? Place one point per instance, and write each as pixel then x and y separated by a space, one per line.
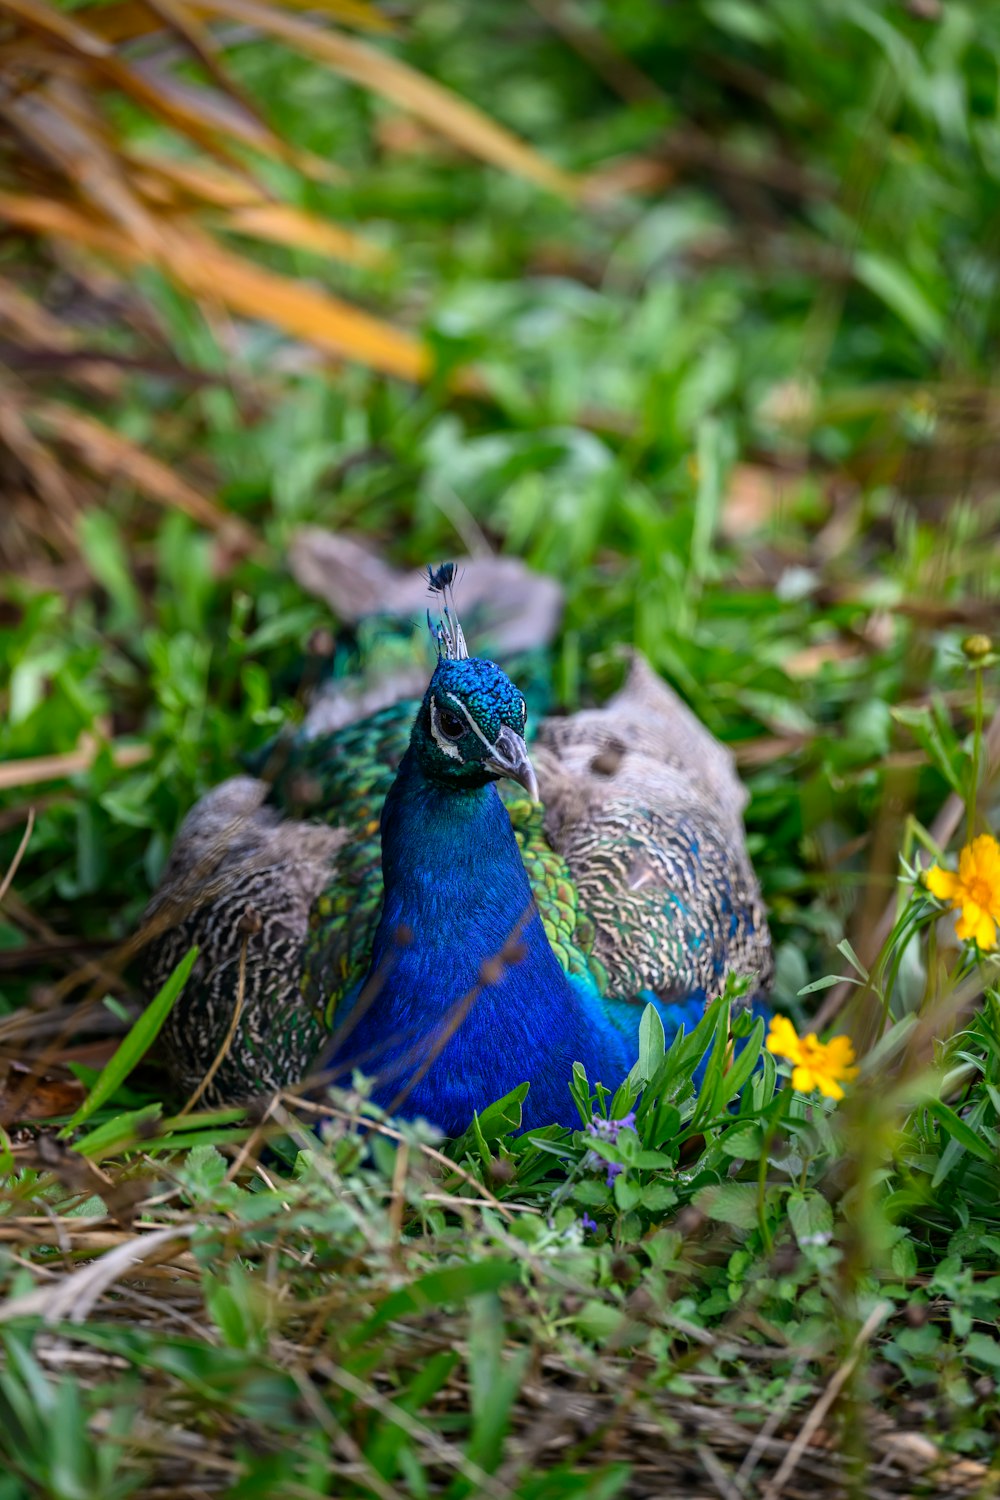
pixel 878 1314
pixel 22 846
pixel 39 768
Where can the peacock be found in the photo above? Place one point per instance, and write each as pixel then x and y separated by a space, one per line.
pixel 405 889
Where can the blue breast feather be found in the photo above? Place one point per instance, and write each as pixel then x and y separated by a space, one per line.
pixel 464 998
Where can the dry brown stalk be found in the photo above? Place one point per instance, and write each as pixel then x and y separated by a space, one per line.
pixel 5 884
pixel 810 1426
pixel 41 768
pixel 76 188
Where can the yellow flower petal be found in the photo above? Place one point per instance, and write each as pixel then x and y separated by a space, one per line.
pixel 829 1087
pixel 840 1056
pixel 803 1079
pixel 783 1040
pixel 941 883
pixel 974 892
pixel 986 850
pixel 987 857
pixel 965 927
pixel 986 932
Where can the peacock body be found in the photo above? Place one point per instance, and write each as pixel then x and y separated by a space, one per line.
pixel 389 894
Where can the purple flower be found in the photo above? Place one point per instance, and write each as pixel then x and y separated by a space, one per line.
pixel 587 1223
pixel 608 1130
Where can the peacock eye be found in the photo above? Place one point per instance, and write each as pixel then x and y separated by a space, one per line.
pixel 450 725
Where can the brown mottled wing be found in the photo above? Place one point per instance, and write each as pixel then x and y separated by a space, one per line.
pixel 239 873
pixel 646 809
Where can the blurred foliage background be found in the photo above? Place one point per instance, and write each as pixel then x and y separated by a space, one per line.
pixel 693 305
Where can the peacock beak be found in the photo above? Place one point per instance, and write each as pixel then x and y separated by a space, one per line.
pixel 510 758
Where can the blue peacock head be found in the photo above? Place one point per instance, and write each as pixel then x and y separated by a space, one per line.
pixel 470 728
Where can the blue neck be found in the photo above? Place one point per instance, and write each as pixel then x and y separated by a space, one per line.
pixel 469 999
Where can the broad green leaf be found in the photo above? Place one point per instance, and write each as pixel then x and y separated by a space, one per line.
pixel 811 1218
pixel 502 1117
pixel 627 1193
pixel 982 1348
pixel 743 1143
pixel 730 1203
pixel 652 1043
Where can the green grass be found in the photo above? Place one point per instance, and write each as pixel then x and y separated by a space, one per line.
pixel 745 416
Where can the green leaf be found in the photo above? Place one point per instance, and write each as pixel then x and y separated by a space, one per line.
pixel 502 1117
pixel 383 1448
pixel 122 1131
pixel 904 1259
pixel 980 1347
pixel 495 1381
pixel 658 1197
pixel 743 1143
pixel 730 1203
pixel 827 983
pixel 892 283
pixel 136 1044
pixel 811 1218
pixel 652 1043
pixel 962 1135
pixel 653 1161
pixel 627 1193
pixel 846 949
pixel 591 1193
pixel 104 547
pixel 710 1095
pixel 664 1124
pixel 713 455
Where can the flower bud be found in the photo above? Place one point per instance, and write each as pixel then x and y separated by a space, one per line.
pixel 977 646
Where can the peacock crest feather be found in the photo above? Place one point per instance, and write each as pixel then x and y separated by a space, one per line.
pixel 446 631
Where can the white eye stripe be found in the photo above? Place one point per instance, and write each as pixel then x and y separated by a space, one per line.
pixel 459 707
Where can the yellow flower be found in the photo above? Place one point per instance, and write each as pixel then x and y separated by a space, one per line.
pixel 818 1065
pixel 975 890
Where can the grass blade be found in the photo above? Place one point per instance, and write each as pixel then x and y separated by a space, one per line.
pixel 136 1044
